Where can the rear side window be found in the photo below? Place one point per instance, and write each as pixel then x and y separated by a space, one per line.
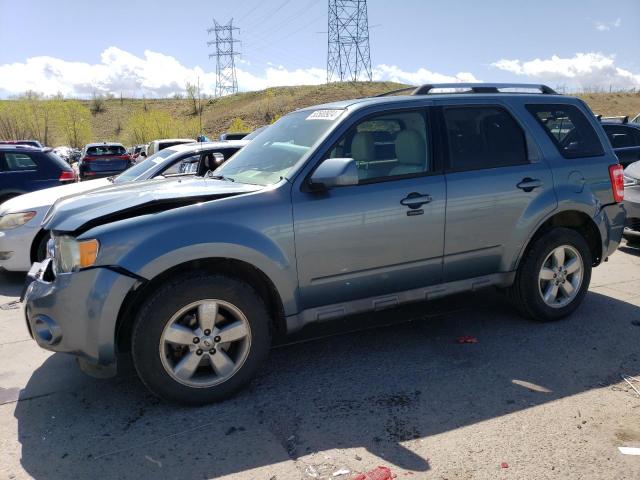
pixel 483 137
pixel 621 136
pixel 106 150
pixel 569 130
pixel 16 162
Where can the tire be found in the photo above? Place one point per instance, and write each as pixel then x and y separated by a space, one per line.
pixel 530 287
pixel 177 306
pixel 41 249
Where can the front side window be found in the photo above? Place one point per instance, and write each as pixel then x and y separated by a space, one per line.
pixel 16 162
pixel 386 146
pixel 184 166
pixel 483 137
pixel 569 130
pixel 144 166
pixel 272 154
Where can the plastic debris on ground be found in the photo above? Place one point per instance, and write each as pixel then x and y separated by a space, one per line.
pixel 379 473
pixel 10 306
pixel 630 381
pixel 467 339
pixel 629 450
pixel 342 471
pixel 504 465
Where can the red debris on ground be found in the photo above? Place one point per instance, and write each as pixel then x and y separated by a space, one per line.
pixel 379 473
pixel 467 339
pixel 504 465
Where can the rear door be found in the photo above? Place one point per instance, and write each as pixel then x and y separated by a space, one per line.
pixel 493 185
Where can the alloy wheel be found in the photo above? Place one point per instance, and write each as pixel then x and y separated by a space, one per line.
pixel 205 343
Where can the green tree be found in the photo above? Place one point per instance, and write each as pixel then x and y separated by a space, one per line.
pixel 74 121
pixel 150 125
pixel 237 126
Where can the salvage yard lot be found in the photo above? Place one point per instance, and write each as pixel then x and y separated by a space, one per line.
pixel 546 399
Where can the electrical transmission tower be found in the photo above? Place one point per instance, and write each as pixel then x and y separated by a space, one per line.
pixel 226 80
pixel 348 50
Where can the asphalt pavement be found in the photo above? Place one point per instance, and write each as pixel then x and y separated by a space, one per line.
pixel 526 401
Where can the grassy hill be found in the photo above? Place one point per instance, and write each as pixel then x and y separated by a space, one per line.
pixel 262 107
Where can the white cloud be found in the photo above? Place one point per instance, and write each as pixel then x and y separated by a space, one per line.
pixel 606 26
pixel 583 71
pixel 421 76
pixel 158 75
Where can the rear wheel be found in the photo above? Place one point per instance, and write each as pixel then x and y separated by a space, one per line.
pixel 200 338
pixel 554 275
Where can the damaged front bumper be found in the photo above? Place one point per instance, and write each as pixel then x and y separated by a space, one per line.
pixel 76 312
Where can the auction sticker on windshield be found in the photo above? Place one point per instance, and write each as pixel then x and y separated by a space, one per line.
pixel 325 115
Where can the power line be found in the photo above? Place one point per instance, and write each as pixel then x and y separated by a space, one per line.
pixel 266 27
pixel 226 80
pixel 348 53
pixel 269 15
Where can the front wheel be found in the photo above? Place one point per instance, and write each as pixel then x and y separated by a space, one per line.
pixel 553 276
pixel 200 338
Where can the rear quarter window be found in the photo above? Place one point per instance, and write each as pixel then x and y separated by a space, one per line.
pixel 19 161
pixel 569 129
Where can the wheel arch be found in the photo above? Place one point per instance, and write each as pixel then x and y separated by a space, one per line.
pixel 576 220
pixel 33 250
pixel 233 268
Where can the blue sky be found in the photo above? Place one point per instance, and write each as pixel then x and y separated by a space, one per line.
pixel 153 47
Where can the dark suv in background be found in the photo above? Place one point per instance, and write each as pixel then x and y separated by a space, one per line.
pixel 624 138
pixel 103 160
pixel 344 208
pixel 24 169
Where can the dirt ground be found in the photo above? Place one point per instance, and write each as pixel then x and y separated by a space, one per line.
pixel 528 401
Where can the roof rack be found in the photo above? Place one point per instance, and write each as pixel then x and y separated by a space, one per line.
pixel 483 88
pixel 393 92
pixel 615 118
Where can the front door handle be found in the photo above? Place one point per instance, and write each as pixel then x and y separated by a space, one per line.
pixel 528 184
pixel 415 200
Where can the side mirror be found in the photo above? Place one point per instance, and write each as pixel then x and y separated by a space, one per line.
pixel 218 159
pixel 334 172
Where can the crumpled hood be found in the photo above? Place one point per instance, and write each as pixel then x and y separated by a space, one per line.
pixel 82 212
pixel 47 196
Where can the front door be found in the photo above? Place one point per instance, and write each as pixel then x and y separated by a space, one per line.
pixel 383 235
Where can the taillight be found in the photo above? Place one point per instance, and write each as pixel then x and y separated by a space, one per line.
pixel 66 176
pixel 616 174
pixel 87 159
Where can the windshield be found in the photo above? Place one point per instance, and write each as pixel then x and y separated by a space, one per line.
pixel 269 157
pixel 141 167
pixel 255 133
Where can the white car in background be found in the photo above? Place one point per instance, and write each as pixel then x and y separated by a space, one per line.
pixel 22 240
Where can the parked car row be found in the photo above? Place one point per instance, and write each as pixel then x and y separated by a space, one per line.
pixel 24 241
pixel 336 209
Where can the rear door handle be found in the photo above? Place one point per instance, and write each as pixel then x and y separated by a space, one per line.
pixel 528 184
pixel 415 200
